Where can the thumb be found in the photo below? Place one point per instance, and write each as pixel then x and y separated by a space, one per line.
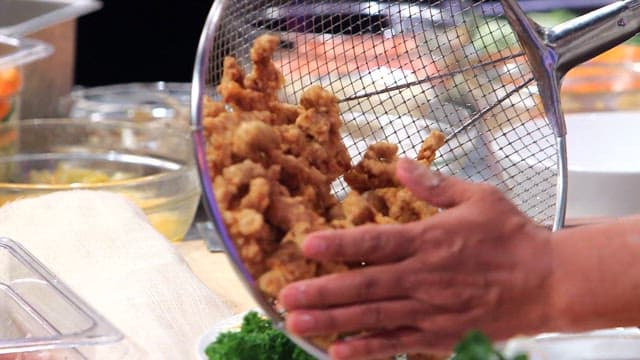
pixel 437 189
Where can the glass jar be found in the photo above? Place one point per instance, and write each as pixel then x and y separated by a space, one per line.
pixel 609 82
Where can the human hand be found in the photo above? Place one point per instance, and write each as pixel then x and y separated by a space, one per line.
pixel 480 264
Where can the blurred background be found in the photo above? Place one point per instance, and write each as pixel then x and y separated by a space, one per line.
pixel 133 60
pixel 156 40
pixel 139 41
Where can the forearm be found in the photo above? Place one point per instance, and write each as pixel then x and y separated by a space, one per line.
pixel 596 281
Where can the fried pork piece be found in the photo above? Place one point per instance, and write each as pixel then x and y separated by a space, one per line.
pixel 264 77
pixel 376 169
pixel 398 205
pixel 256 91
pixel 222 131
pixel 286 265
pixel 272 166
pixel 387 205
pixel 243 193
pixel 378 197
pixel 430 146
pixel 295 217
pixel 321 120
pixel 235 94
pixel 378 165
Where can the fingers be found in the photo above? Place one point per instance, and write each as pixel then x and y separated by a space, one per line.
pixel 369 243
pixel 387 344
pixel 385 328
pixel 362 285
pixel 377 315
pixel 437 189
pixel 436 334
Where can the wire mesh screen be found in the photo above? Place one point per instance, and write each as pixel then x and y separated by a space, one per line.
pixel 401 70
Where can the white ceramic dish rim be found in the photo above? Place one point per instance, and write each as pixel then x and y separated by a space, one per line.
pixel 534 345
pixel 572 120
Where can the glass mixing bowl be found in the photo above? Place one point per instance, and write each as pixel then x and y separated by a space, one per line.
pixel 151 165
pixel 162 102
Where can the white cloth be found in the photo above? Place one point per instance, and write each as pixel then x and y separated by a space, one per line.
pixel 102 246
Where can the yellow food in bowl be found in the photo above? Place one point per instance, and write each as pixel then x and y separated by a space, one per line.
pixel 66 175
pixel 151 165
pixel 168 215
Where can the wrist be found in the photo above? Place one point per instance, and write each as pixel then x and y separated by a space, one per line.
pixel 595 281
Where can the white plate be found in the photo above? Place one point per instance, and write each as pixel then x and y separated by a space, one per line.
pixel 604 161
pixel 606 344
pixel 232 323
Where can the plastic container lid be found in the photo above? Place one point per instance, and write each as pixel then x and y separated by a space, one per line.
pixel 16 52
pixel 27 16
pixel 38 313
pixel 140 102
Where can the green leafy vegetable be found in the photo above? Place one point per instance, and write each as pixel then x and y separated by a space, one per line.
pixel 635 40
pixel 496 34
pixel 552 18
pixel 493 36
pixel 256 340
pixel 476 346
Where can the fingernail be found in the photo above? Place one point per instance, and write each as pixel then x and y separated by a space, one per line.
pixel 340 352
pixel 421 173
pixel 294 295
pixel 302 323
pixel 314 245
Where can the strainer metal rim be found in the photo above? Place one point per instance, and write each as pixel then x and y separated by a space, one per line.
pixel 549 63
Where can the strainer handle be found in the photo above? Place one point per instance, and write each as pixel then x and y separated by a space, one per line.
pixel 584 37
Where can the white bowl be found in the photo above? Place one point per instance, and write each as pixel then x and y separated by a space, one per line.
pixel 606 344
pixel 603 162
pixel 232 323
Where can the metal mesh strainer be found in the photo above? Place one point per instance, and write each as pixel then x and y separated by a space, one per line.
pixel 479 71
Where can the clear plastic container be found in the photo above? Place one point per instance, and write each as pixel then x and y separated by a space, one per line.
pixel 14 54
pixel 27 16
pixel 52 21
pixel 41 318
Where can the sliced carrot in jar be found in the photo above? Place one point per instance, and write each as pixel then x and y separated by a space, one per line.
pixel 622 53
pixel 10 82
pixel 611 71
pixel 5 109
pixel 8 137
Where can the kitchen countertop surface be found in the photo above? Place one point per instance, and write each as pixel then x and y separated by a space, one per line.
pixel 217 273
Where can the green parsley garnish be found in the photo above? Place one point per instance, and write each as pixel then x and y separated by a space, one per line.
pixel 476 346
pixel 256 340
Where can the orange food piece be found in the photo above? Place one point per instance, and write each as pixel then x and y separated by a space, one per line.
pixel 10 82
pixel 5 108
pixel 341 55
pixel 610 71
pixel 622 53
pixel 8 137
